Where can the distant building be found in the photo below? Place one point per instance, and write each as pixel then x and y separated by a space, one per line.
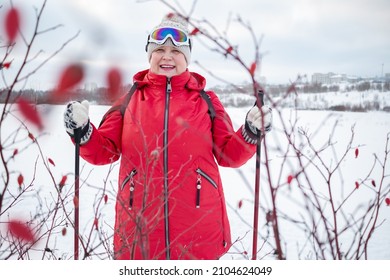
pixel 328 78
pixel 335 79
pixel 353 79
pixel 320 78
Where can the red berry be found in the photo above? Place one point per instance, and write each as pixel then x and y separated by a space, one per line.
pixel 96 223
pixel 51 162
pixel 12 23
pixel 20 180
pixel 357 185
pixel 21 230
pixel 290 178
pixel 61 184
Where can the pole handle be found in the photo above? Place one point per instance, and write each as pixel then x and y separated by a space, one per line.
pixel 77 135
pixel 260 98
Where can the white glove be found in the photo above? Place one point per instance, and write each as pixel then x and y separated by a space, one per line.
pixel 254 117
pixel 76 116
pixel 254 123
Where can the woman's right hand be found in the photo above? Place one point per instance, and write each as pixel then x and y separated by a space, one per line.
pixel 76 116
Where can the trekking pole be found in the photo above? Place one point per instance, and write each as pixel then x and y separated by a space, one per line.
pixel 259 103
pixel 77 139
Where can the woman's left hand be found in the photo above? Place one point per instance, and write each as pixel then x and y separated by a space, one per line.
pixel 260 119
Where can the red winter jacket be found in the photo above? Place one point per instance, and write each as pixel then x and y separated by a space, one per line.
pixel 170 202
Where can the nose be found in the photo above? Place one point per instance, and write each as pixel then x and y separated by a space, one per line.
pixel 167 55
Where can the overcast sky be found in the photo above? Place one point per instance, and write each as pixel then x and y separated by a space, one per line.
pixel 300 37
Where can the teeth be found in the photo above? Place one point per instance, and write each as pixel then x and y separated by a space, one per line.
pixel 166 66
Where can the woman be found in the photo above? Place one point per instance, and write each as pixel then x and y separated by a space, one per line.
pixel 170 202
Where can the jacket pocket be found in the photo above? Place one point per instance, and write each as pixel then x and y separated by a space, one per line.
pixel 200 176
pixel 130 181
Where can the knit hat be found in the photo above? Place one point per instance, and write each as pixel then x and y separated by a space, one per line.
pixel 175 21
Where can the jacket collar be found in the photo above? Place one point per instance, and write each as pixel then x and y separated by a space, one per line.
pixel 188 80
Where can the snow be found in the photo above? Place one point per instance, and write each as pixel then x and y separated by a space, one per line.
pixel 368 100
pixel 370 132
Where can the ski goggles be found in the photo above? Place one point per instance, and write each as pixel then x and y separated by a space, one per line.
pixel 178 36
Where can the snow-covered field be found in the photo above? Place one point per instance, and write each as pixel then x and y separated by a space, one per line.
pixel 370 128
pixel 352 100
pixel 368 100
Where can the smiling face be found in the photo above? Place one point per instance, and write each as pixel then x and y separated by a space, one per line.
pixel 167 61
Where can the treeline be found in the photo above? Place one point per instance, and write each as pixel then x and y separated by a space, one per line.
pixel 321 88
pixel 97 96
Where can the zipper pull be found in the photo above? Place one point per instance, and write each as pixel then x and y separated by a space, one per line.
pixel 131 188
pixel 131 193
pixel 198 187
pixel 169 86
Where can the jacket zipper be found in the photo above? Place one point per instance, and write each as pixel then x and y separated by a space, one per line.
pixel 130 178
pixel 207 177
pixel 201 174
pixel 168 91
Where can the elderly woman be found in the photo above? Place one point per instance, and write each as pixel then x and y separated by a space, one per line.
pixel 170 202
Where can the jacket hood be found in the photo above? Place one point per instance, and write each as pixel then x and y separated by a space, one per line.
pixel 188 80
